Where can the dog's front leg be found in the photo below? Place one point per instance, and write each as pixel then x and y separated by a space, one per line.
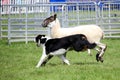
pixel 43 58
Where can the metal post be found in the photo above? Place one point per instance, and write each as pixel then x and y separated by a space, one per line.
pixel 109 19
pixel 66 15
pixel 9 27
pixel 63 18
pixel 96 11
pixel 9 31
pixel 77 7
pixel 26 26
pixel 0 20
pixel 48 30
pixel 101 24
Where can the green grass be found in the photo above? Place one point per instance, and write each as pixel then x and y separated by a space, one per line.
pixel 18 61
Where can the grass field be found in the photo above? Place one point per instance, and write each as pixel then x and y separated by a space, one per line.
pixel 18 61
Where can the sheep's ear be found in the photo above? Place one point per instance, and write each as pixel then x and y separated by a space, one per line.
pixel 55 16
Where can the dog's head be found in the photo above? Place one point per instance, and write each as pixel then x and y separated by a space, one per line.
pixel 41 40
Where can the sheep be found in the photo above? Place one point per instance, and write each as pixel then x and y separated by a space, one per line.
pixel 60 46
pixel 93 33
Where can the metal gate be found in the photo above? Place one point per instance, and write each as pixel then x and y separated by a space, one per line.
pixel 109 19
pixel 24 23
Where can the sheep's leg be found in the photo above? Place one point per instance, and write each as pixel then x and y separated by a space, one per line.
pixel 101 52
pixel 97 49
pixel 64 59
pixel 97 55
pixel 102 49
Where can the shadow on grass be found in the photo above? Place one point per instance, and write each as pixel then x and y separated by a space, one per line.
pixel 77 63
pixel 86 63
pixel 52 64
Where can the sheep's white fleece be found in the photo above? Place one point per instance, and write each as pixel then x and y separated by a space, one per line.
pixel 93 32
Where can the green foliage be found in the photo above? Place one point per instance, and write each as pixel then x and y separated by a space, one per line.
pixel 18 61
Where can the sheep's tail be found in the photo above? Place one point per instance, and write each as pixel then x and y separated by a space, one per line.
pixel 103 36
pixel 91 46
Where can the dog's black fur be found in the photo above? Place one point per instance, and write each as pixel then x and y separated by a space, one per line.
pixel 77 42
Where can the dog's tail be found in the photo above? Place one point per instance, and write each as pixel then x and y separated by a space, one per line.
pixel 92 45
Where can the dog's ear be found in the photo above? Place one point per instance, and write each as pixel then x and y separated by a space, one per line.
pixel 43 35
pixel 38 37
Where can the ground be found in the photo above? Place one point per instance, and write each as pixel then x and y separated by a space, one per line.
pixel 18 61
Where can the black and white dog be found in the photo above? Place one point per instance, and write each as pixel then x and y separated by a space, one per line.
pixel 59 46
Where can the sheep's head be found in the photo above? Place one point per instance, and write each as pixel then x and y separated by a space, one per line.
pixel 48 20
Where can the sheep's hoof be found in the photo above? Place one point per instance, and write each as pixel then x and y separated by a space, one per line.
pixel 99 58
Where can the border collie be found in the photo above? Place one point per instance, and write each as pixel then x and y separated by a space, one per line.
pixel 60 46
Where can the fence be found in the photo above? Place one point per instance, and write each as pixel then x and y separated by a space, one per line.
pixel 109 19
pixel 24 23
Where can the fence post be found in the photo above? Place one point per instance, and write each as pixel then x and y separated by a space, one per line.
pixel 77 7
pixel 48 14
pixel 96 11
pixel 9 27
pixel 9 30
pixel 63 14
pixel 26 25
pixel 109 18
pixel 66 14
pixel 101 19
pixel 0 21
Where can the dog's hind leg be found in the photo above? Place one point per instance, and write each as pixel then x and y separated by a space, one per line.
pixel 46 60
pixel 89 52
pixel 65 54
pixel 64 59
